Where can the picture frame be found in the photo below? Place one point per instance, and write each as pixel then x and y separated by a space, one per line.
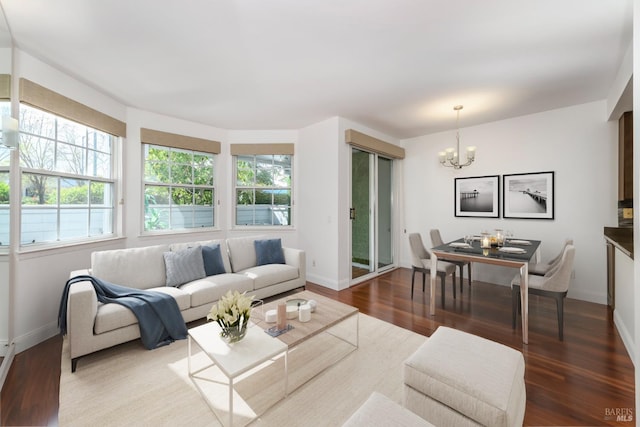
pixel 477 196
pixel 528 195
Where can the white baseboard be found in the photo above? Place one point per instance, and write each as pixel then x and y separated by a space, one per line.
pixel 26 341
pixel 627 339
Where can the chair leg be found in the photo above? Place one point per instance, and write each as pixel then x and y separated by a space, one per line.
pixel 560 308
pixel 413 276
pixel 461 271
pixel 453 277
pixel 442 279
pixel 469 272
pixel 423 275
pixel 515 303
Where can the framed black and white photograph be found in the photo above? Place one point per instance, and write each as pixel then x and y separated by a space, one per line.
pixel 528 195
pixel 478 196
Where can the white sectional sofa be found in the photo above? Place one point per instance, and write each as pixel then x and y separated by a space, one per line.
pixel 93 326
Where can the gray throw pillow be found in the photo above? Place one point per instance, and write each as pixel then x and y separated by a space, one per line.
pixel 184 266
pixel 269 251
pixel 212 256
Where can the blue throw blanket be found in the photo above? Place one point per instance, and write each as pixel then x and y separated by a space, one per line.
pixel 158 314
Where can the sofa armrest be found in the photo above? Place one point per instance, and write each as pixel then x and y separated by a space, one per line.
pixel 82 308
pixel 296 258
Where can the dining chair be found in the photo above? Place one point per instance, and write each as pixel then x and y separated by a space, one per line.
pixel 421 262
pixel 436 240
pixel 554 284
pixel 541 268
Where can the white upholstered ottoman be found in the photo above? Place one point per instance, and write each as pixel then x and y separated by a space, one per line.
pixel 456 378
pixel 379 410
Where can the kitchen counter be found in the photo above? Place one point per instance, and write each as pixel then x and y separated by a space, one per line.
pixel 621 238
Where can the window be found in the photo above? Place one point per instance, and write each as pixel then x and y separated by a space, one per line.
pixel 179 190
pixel 67 182
pixel 263 189
pixel 5 157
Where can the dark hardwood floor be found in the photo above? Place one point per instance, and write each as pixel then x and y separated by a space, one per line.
pixel 584 380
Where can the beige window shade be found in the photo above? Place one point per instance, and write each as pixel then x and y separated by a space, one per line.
pixel 261 149
pixel 369 143
pixel 5 86
pixel 166 139
pixel 40 97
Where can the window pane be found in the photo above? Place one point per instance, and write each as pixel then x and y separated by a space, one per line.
pixel 71 159
pixel 244 197
pixel 99 141
pixel 39 190
pixel 37 122
pixel 244 215
pixel 38 224
pixel 72 132
pixel 264 197
pixel 101 221
pixel 156 208
pixel 245 173
pixel 181 174
pixel 203 197
pixel 98 164
pixel 37 153
pixel 74 223
pixel 282 197
pixel 101 194
pixel 281 215
pixel 74 192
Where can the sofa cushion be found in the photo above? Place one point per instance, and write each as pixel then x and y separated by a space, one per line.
pixel 212 257
pixel 269 251
pixel 113 316
pixel 242 252
pixel 210 289
pixel 223 249
pixel 122 266
pixel 184 266
pixel 267 275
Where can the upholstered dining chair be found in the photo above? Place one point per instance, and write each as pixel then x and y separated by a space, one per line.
pixel 541 268
pixel 554 284
pixel 421 262
pixel 436 240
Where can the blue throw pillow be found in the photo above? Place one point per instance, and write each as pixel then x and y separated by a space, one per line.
pixel 269 251
pixel 212 258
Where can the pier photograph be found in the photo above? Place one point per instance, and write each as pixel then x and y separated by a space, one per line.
pixel 477 196
pixel 528 195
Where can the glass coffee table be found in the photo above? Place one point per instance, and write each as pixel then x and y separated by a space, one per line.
pixel 308 348
pixel 234 360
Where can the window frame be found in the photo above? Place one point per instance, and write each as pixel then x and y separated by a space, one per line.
pixel 192 186
pixel 112 180
pixel 255 186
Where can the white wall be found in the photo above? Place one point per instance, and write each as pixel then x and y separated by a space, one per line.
pixel 577 143
pixel 318 181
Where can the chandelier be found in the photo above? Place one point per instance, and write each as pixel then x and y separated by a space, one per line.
pixel 451 156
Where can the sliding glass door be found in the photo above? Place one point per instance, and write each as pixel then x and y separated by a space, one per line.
pixel 371 214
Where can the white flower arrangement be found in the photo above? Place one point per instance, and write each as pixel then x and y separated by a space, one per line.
pixel 232 313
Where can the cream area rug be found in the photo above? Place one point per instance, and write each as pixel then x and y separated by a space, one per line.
pixel 129 385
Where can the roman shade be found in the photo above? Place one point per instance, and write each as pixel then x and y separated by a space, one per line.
pixel 261 149
pixel 5 87
pixel 375 145
pixel 45 99
pixel 166 139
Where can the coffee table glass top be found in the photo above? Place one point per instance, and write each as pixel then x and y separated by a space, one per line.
pixel 235 359
pixel 328 313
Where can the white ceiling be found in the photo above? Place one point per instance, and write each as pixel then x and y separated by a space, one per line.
pixel 398 66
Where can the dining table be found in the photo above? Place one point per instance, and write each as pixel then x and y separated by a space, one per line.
pixel 514 253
